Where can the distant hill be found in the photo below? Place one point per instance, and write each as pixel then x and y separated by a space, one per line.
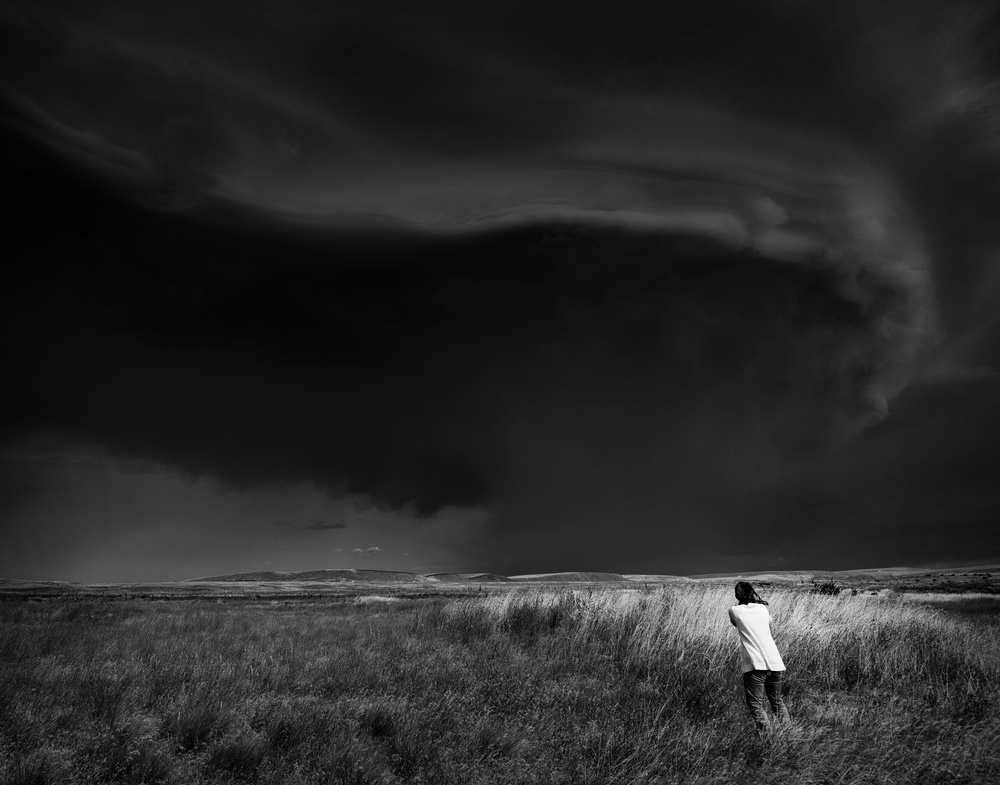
pixel 845 577
pixel 772 576
pixel 373 576
pixel 572 577
pixel 868 574
pixel 467 577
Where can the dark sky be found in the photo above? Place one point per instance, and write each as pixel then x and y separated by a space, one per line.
pixel 499 286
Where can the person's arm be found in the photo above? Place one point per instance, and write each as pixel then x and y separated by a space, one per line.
pixel 732 617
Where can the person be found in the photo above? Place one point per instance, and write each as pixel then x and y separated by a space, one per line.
pixel 763 667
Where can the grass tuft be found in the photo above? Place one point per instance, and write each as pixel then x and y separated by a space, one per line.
pixel 121 758
pixel 239 757
pixel 377 720
pixel 30 770
pixel 196 722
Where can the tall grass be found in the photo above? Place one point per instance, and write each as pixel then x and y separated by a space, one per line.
pixel 514 686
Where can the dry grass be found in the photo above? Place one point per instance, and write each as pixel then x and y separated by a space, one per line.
pixel 516 686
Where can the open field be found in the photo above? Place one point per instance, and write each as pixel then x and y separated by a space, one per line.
pixel 495 684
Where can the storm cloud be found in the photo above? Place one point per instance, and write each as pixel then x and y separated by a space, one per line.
pixel 609 274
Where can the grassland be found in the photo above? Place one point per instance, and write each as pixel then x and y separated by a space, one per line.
pixel 506 685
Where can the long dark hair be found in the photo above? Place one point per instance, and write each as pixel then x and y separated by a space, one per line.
pixel 745 592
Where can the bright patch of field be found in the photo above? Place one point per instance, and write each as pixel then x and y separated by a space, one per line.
pixel 950 599
pixel 523 685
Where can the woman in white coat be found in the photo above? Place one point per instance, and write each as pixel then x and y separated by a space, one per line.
pixel 763 667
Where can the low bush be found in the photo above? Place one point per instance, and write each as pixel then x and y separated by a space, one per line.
pixel 829 587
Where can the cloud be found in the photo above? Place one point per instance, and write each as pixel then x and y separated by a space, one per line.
pixel 406 380
pixel 324 525
pixel 316 525
pixel 687 161
pixel 549 262
pixel 367 551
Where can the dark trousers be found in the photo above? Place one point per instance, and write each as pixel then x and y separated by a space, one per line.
pixel 757 684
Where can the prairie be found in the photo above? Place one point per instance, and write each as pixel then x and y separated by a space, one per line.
pixel 524 684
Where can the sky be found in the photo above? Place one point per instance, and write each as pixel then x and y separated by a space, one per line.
pixel 509 287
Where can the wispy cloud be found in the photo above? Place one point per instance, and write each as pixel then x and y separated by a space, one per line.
pixel 316 525
pixel 324 525
pixel 367 551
